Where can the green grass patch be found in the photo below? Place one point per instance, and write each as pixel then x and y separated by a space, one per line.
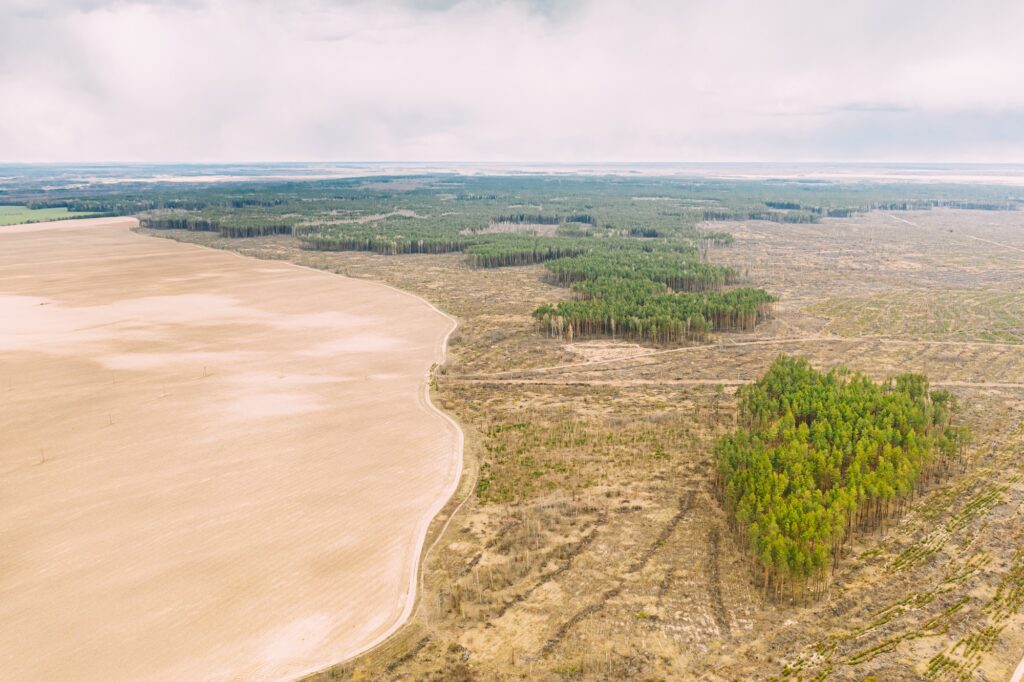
pixel 17 215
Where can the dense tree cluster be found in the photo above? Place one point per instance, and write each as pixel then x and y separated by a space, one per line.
pixel 841 212
pixel 644 231
pixel 978 205
pixel 656 291
pixel 445 234
pixel 245 202
pixel 228 227
pixel 802 216
pixel 389 239
pixel 238 229
pixel 644 310
pixel 702 237
pixel 680 271
pixel 124 205
pixel 387 244
pixel 820 456
pixel 178 221
pixel 830 212
pixel 528 219
pixel 505 250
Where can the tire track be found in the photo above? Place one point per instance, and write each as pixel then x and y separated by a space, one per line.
pixel 715 585
pixel 636 567
pixel 705 382
pixel 545 578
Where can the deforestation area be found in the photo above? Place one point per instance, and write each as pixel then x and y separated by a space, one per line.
pixel 715 429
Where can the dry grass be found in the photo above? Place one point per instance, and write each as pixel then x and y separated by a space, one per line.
pixel 595 548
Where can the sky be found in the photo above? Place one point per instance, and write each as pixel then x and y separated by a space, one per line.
pixel 511 80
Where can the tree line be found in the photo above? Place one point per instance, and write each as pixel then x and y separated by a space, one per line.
pixel 178 222
pixel 234 228
pixel 680 271
pixel 644 310
pixel 389 242
pixel 511 250
pixel 802 216
pixel 656 292
pixel 528 219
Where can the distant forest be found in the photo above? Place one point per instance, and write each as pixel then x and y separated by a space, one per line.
pixel 633 252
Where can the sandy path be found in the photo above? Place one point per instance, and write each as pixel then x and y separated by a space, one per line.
pixel 211 467
pixel 568 381
pixel 1018 674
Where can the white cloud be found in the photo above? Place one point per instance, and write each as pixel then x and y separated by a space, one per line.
pixel 603 80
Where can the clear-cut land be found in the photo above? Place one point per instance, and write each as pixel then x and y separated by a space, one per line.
pixel 211 467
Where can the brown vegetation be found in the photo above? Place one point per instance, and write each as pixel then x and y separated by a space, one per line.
pixel 588 543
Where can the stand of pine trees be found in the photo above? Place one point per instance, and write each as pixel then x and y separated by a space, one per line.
pixel 680 271
pixel 508 250
pixel 644 310
pixel 654 292
pixel 234 228
pixel 774 216
pixel 386 240
pixel 238 231
pixel 821 457
pixel 178 222
pixel 528 219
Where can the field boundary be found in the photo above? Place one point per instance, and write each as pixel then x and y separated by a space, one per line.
pixel 415 586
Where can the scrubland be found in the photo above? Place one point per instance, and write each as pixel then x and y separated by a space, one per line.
pixel 587 540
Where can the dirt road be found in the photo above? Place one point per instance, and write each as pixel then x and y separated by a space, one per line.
pixel 1018 674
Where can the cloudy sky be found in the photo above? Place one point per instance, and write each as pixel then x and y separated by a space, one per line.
pixel 511 80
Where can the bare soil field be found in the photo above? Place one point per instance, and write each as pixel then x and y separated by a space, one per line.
pixel 212 467
pixel 586 541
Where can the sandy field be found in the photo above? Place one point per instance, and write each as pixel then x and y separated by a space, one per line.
pixel 211 467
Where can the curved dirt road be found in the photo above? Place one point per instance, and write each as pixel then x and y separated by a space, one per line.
pixel 211 467
pixel 1018 674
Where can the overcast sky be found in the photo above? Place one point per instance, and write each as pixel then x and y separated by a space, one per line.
pixel 512 80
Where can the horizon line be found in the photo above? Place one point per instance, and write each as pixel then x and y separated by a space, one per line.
pixel 508 163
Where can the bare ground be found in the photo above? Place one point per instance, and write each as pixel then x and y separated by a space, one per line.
pixel 212 467
pixel 593 546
